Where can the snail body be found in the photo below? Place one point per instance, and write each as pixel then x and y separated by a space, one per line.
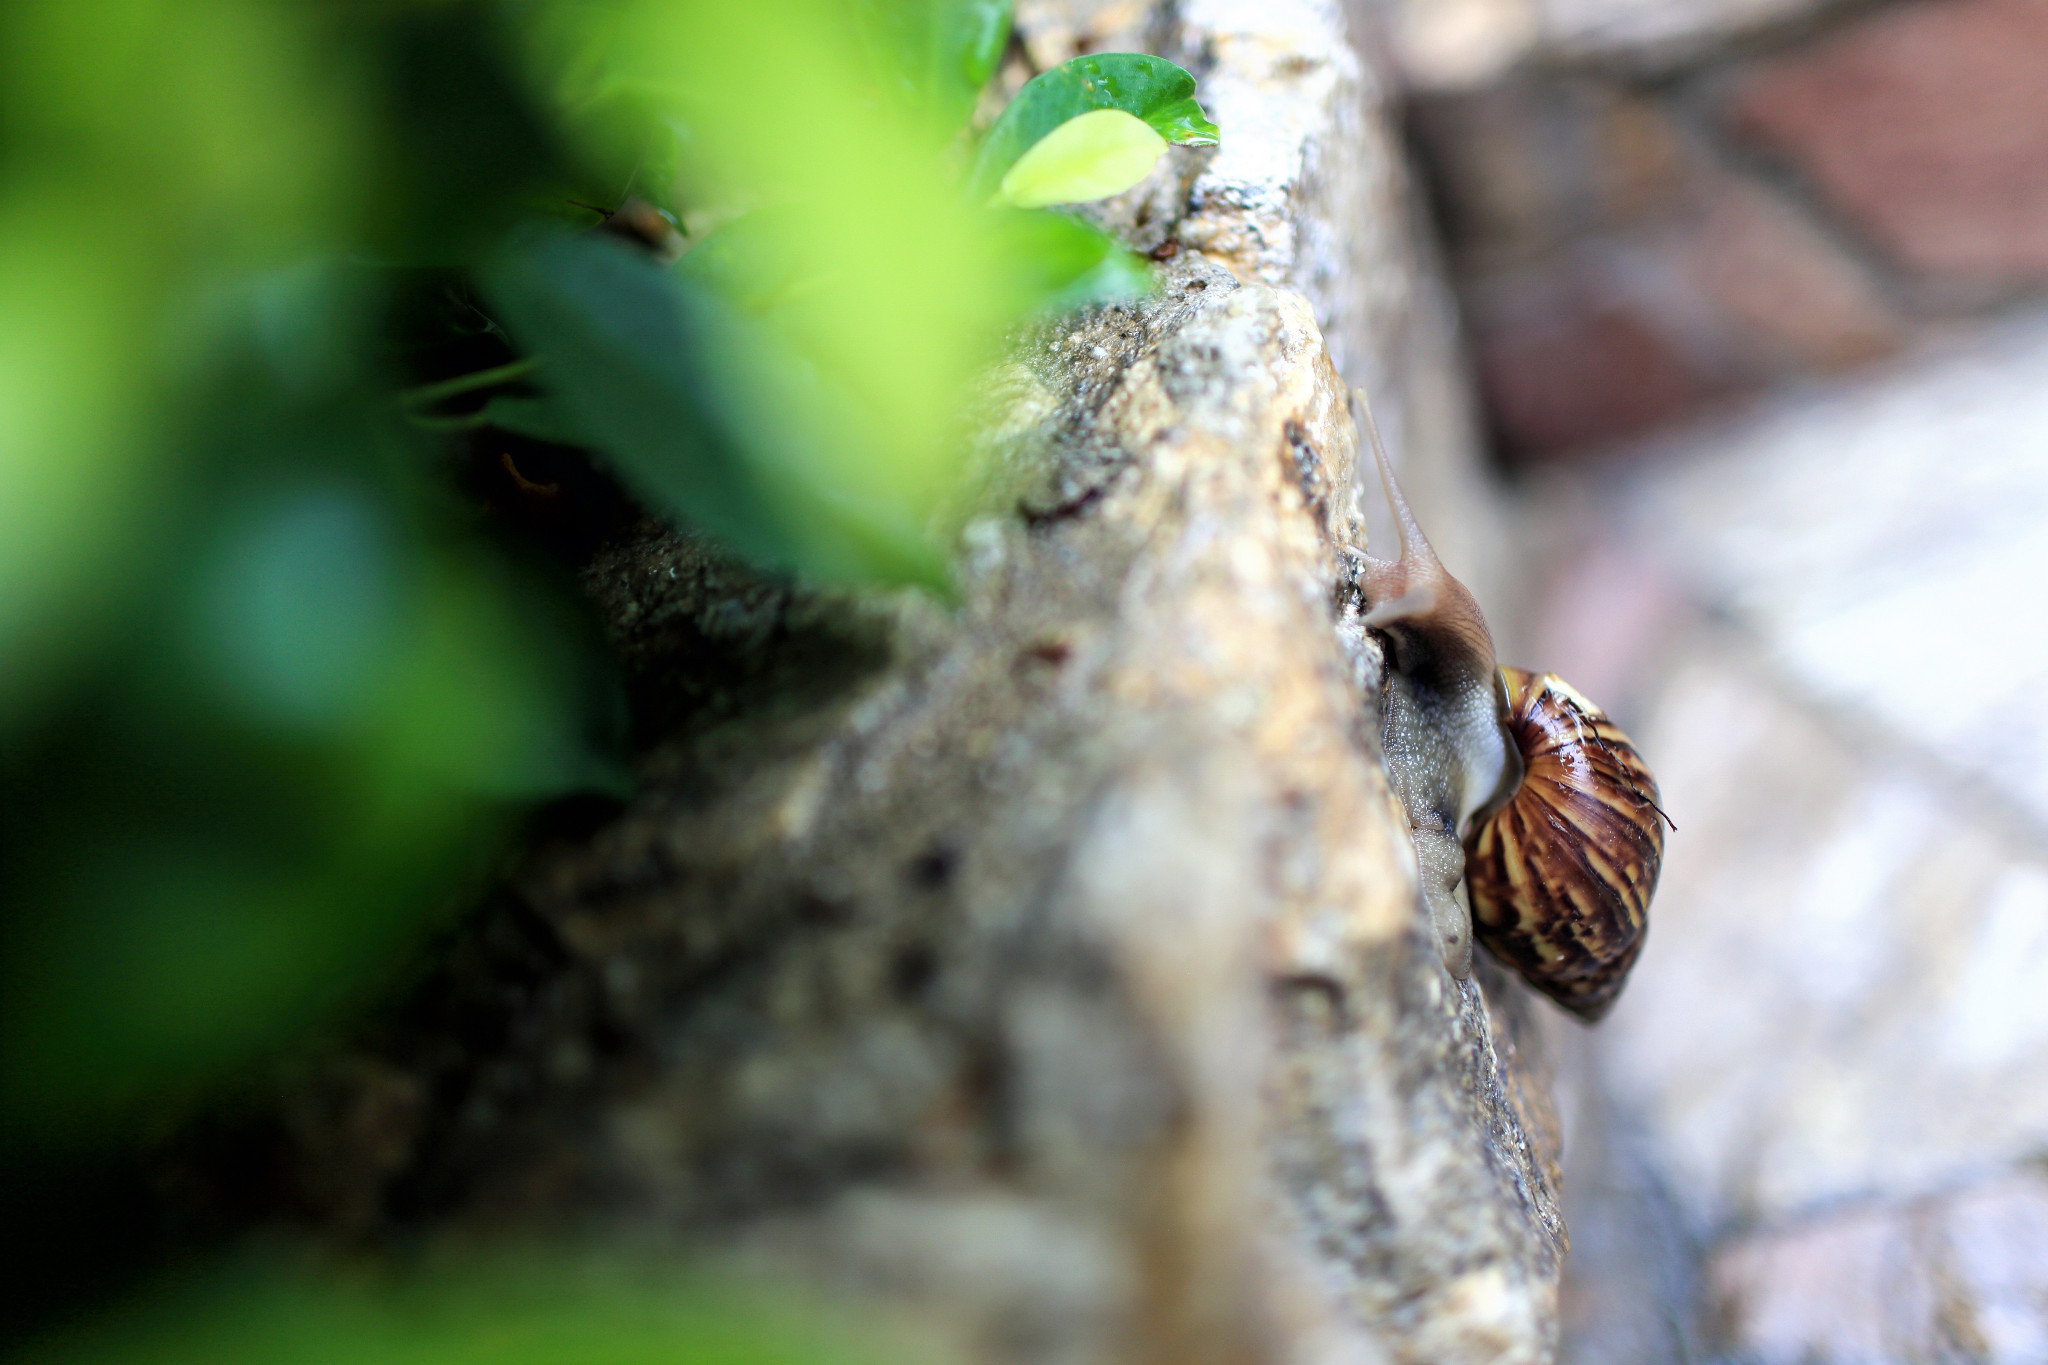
pixel 1535 821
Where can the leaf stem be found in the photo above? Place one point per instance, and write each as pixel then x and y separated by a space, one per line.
pixel 427 395
pixel 468 421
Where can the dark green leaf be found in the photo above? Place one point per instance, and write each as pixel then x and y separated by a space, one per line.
pixel 465 143
pixel 427 395
pixel 1184 124
pixel 316 708
pixel 298 611
pixel 538 418
pixel 701 408
pixel 537 1308
pixel 1148 87
pixel 622 352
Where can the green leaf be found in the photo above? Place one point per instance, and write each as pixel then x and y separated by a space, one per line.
pixel 703 409
pixel 427 395
pixel 299 609
pixel 539 1306
pixel 287 752
pixel 935 55
pixel 1059 262
pixel 1183 124
pixel 899 305
pixel 1103 152
pixel 1149 88
pixel 538 418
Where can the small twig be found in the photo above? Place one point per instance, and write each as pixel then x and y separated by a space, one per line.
pixel 531 487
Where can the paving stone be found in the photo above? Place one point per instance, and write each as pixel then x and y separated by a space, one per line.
pixel 1619 335
pixel 1959 1276
pixel 1616 277
pixel 1817 621
pixel 1834 1001
pixel 1926 127
pixel 1654 33
pixel 1588 373
pixel 1442 45
pixel 1907 505
pixel 1849 1288
pixel 1995 1252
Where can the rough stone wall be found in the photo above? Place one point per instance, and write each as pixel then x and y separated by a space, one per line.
pixel 1046 970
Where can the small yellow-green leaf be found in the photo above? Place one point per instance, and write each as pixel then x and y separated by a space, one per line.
pixel 1091 156
pixel 1147 87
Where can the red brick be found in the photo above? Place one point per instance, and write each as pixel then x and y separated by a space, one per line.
pixel 1520 168
pixel 1580 377
pixel 1926 125
pixel 1788 295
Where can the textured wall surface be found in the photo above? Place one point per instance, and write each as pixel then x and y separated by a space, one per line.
pixel 1046 969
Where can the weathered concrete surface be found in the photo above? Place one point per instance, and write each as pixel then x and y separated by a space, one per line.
pixel 1047 970
pixel 1311 192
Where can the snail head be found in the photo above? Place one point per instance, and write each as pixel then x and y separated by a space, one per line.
pixel 1440 647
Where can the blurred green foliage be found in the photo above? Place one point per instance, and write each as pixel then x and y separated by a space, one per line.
pixel 269 692
pixel 320 691
pixel 870 291
pixel 932 59
pixel 559 1309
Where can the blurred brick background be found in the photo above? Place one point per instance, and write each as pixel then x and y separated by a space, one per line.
pixel 1650 207
pixel 1753 293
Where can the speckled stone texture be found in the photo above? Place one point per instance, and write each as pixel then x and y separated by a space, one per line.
pixel 1045 971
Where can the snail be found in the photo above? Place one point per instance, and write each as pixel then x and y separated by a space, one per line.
pixel 1535 821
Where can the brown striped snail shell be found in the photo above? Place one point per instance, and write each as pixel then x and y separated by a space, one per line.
pixel 1535 821
pixel 1560 875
